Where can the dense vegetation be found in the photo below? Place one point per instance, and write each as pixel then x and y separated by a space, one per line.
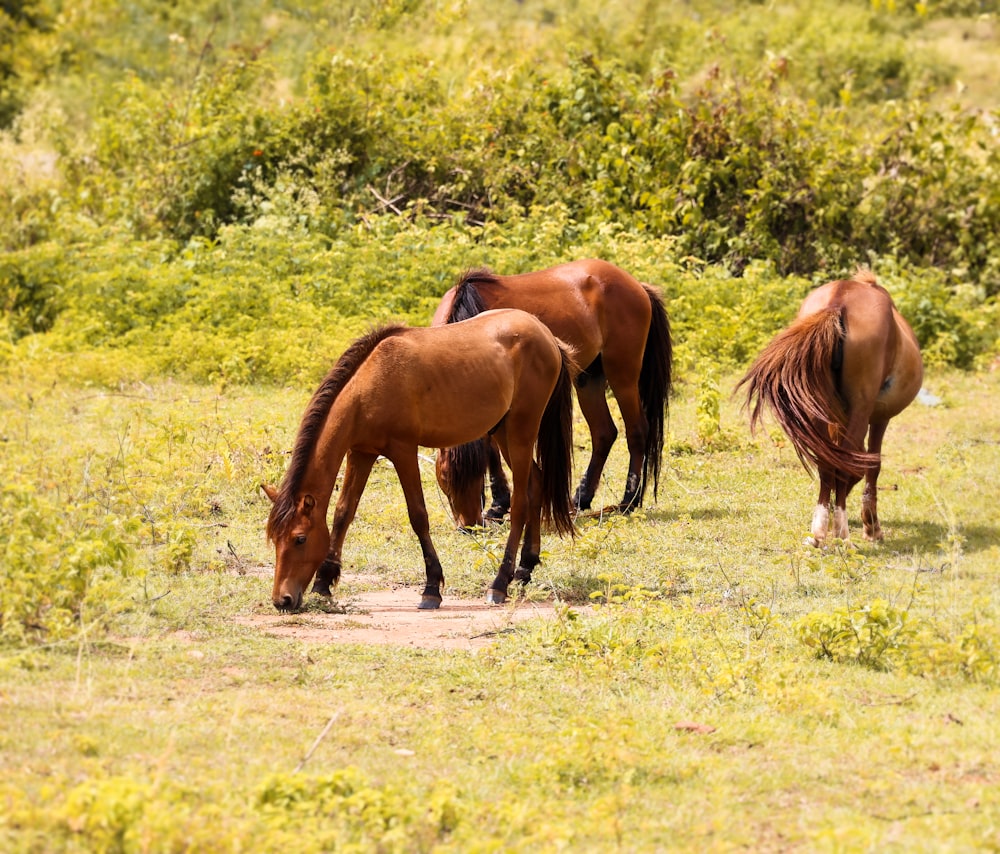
pixel 201 204
pixel 187 171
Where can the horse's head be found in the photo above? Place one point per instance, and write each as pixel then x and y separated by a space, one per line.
pixel 462 488
pixel 301 542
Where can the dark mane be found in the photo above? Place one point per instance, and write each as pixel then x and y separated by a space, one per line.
pixel 284 507
pixel 467 302
pixel 465 465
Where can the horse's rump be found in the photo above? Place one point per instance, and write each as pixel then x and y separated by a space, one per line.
pixel 795 377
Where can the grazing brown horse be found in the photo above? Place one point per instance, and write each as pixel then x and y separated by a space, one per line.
pixel 398 388
pixel 620 332
pixel 847 364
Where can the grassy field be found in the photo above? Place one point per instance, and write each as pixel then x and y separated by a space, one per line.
pixel 676 700
pixel 201 204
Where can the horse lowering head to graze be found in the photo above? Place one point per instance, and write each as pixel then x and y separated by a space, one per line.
pixel 620 332
pixel 847 364
pixel 399 388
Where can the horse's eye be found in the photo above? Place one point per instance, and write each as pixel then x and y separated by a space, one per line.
pixel 300 540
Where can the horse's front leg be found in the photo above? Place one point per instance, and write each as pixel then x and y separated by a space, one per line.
pixel 408 471
pixel 590 393
pixel 356 473
pixel 499 488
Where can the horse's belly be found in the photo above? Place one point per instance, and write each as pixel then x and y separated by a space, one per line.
pixel 459 421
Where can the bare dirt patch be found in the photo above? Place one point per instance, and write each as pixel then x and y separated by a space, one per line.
pixel 392 617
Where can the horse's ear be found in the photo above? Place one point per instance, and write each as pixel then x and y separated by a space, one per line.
pixel 270 492
pixel 308 503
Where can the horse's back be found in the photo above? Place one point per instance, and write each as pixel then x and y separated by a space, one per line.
pixel 433 386
pixel 497 344
pixel 518 331
pixel 591 280
pixel 591 304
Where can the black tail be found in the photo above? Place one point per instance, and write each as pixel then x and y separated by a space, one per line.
pixel 655 379
pixel 555 449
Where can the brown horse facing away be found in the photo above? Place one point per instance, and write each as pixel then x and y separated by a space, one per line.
pixel 620 332
pixel 847 364
pixel 401 387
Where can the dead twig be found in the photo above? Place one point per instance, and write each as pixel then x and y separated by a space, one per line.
pixel 316 743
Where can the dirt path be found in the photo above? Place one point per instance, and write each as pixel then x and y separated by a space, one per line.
pixel 392 617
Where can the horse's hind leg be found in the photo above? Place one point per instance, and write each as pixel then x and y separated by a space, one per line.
pixel 356 472
pixel 854 438
pixel 636 434
pixel 531 550
pixel 408 471
pixel 869 498
pixel 590 391
pixel 821 515
pixel 622 367
pixel 524 507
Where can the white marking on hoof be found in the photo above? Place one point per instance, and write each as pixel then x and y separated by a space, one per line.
pixel 840 524
pixel 820 524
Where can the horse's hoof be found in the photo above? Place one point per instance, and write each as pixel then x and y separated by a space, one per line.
pixel 429 603
pixel 326 593
pixel 495 597
pixel 812 541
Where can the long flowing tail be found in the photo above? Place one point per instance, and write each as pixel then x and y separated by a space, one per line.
pixel 555 449
pixel 655 379
pixel 794 376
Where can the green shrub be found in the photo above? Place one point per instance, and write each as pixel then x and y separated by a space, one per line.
pixel 882 637
pixel 60 567
pixel 343 807
pixel 224 222
pixel 873 635
pixel 32 287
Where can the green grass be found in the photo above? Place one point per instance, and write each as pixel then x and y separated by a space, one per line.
pixel 166 723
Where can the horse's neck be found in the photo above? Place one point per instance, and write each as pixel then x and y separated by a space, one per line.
pixel 332 446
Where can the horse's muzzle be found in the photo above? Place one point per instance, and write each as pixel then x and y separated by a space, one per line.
pixel 287 602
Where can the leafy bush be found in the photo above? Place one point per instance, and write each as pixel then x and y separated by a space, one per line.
pixel 344 806
pixel 58 571
pixel 32 287
pixel 882 637
pixel 223 221
pixel 873 635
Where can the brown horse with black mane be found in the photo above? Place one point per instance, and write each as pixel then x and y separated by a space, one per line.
pixel 398 388
pixel 847 364
pixel 620 332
